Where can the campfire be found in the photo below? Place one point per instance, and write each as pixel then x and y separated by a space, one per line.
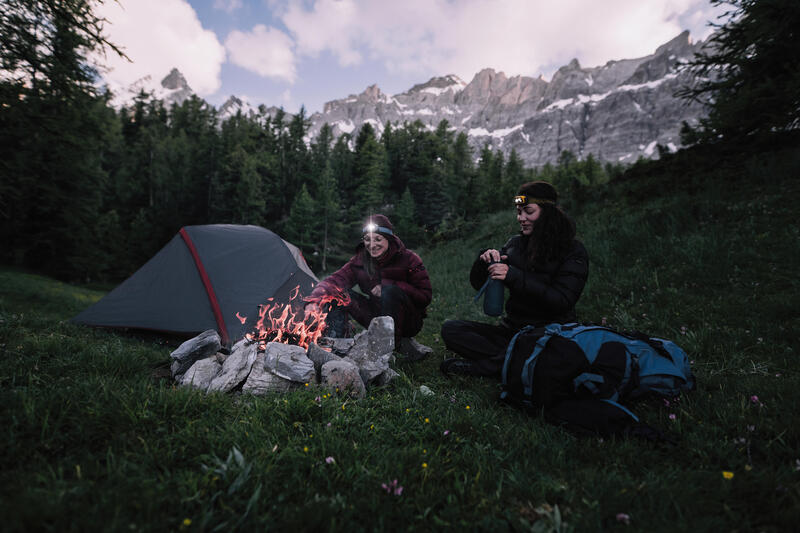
pixel 289 322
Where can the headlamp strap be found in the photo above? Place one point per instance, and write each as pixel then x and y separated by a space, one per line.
pixel 525 200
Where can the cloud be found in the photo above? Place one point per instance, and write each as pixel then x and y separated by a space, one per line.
pixel 265 51
pixel 158 35
pixel 463 36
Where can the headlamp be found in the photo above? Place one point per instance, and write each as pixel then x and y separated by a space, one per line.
pixel 521 200
pixel 374 228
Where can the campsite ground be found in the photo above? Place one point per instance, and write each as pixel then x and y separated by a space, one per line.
pixel 703 255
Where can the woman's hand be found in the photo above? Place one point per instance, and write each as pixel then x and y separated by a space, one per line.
pixel 376 291
pixel 498 270
pixel 492 256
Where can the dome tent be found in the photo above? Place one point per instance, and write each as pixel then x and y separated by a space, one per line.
pixel 202 279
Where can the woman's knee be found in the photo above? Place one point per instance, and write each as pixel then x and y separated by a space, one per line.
pixel 392 293
pixel 451 330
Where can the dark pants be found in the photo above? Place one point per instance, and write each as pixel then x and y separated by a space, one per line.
pixel 393 302
pixel 485 344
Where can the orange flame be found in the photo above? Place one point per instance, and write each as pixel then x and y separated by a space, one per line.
pixel 289 322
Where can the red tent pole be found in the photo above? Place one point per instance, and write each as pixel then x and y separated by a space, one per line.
pixel 212 296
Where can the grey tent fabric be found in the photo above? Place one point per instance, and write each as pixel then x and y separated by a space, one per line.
pixel 238 267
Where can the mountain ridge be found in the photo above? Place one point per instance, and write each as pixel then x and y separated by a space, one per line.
pixel 617 112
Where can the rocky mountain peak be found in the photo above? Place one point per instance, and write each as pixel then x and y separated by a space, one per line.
pixel 486 85
pixel 681 44
pixel 174 80
pixel 439 84
pixel 373 94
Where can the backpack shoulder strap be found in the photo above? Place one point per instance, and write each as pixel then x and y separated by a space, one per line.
pixel 509 350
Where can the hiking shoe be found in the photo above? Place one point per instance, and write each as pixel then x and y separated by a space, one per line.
pixel 413 350
pixel 460 367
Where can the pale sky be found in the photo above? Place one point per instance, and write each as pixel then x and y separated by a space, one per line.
pixel 307 52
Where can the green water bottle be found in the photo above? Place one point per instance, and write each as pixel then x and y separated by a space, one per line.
pixel 493 297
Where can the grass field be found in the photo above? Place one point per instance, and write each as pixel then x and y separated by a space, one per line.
pixel 705 256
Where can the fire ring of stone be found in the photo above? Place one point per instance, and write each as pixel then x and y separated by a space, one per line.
pixel 350 365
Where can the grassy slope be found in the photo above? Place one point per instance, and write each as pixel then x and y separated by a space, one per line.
pixel 91 441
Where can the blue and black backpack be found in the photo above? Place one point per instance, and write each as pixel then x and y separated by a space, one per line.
pixel 581 375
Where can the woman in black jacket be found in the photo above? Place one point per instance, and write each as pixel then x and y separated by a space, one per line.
pixel 545 269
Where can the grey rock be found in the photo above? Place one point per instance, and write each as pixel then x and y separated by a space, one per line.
pixel 343 375
pixel 289 362
pixel 387 377
pixel 380 335
pixel 425 390
pixel 261 381
pixel 339 346
pixel 319 356
pixel 372 349
pixel 236 367
pixel 196 348
pixel 201 373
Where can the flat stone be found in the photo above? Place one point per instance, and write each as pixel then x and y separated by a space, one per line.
pixel 201 373
pixel 196 348
pixel 289 362
pixel 261 381
pixel 236 367
pixel 319 356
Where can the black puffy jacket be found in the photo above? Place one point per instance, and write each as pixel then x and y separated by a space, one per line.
pixel 543 294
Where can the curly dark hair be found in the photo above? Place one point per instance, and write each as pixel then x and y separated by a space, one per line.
pixel 552 236
pixel 553 232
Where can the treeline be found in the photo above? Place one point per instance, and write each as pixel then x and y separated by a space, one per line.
pixel 98 202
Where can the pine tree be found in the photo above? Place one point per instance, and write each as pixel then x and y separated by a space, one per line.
pixel 485 191
pixel 302 226
pixel 54 127
pixel 406 222
pixel 515 176
pixel 462 189
pixel 372 174
pixel 749 72
pixel 342 162
pixel 329 213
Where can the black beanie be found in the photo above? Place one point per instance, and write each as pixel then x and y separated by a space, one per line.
pixel 538 191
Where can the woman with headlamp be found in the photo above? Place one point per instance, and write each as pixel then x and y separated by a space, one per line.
pixel 392 277
pixel 544 268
